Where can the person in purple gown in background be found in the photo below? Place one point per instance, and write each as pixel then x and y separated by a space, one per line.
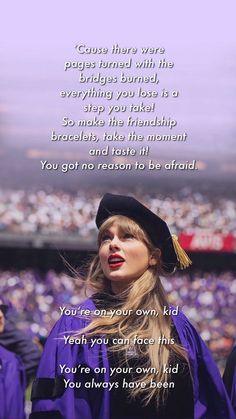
pixel 229 377
pixel 125 353
pixel 12 379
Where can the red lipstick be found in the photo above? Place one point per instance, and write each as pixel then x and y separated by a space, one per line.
pixel 115 261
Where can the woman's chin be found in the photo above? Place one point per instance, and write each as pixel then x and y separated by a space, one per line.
pixel 116 277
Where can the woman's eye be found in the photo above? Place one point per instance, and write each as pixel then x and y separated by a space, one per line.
pixel 128 236
pixel 105 238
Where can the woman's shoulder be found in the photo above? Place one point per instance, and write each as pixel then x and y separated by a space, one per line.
pixel 189 337
pixel 63 341
pixel 179 319
pixel 74 317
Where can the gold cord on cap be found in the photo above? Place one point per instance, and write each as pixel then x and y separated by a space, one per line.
pixel 182 256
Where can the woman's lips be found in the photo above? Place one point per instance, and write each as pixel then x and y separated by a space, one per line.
pixel 115 265
pixel 115 261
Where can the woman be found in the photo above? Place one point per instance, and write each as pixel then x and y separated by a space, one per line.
pixel 124 353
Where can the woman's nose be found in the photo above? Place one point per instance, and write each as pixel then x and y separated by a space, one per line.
pixel 114 243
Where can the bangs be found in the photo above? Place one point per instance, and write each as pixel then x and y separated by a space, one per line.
pixel 126 225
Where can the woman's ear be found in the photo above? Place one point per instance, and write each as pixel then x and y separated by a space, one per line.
pixel 155 257
pixel 152 261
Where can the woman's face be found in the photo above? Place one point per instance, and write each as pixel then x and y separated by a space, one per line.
pixel 123 257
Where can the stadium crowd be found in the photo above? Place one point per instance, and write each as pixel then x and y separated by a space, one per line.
pixel 208 299
pixel 48 212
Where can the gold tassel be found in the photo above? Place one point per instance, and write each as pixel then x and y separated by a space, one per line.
pixel 182 256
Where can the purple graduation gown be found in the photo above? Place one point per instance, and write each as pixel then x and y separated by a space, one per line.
pixel 12 386
pixel 210 397
pixel 229 377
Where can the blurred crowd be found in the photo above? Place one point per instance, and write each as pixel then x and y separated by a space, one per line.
pixel 55 212
pixel 208 300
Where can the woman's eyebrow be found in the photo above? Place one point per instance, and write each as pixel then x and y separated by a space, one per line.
pixel 107 231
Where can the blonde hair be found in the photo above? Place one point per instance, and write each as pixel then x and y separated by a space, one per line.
pixel 146 293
